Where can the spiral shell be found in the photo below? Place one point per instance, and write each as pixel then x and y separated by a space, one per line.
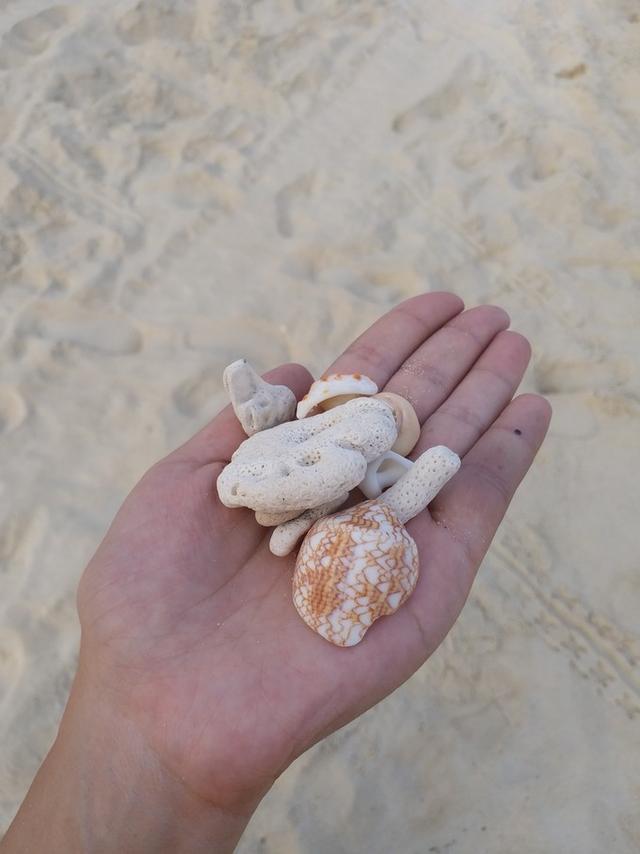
pixel 353 567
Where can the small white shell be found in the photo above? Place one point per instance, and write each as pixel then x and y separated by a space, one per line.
pixel 334 385
pixel 407 421
pixel 383 473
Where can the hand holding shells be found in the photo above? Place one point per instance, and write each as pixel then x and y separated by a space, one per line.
pixel 358 564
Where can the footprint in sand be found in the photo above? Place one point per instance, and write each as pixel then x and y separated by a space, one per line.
pixel 200 393
pixel 32 36
pixel 574 417
pixel 470 80
pixel 13 408
pixel 106 332
pixel 292 201
pixel 12 251
pixel 554 376
pixel 21 535
pixel 550 150
pixel 153 19
pixel 264 345
pixel 12 663
pixel 597 650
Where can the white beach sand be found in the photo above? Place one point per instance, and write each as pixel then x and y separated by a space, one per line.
pixel 185 182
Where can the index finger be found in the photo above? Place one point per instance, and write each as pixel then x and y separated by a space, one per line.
pixel 384 346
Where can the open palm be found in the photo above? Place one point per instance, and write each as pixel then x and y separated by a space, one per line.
pixel 187 618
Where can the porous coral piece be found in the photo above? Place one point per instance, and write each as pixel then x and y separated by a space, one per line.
pixel 284 538
pixel 333 386
pixel 421 483
pixel 258 405
pixel 269 520
pixel 306 463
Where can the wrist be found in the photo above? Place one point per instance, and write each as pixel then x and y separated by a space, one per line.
pixel 101 788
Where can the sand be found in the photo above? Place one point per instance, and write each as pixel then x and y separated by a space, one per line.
pixel 185 182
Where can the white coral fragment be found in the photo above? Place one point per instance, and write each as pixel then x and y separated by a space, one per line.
pixel 285 536
pixel 303 464
pixel 269 520
pixel 421 483
pixel 257 404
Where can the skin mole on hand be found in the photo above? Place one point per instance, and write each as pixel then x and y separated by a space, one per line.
pixel 518 431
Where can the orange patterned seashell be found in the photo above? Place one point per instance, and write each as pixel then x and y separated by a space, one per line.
pixel 352 568
pixel 361 563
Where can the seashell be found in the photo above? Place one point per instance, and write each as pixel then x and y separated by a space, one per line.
pixel 258 405
pixel 343 386
pixel 383 473
pixel 352 568
pixel 305 463
pixel 406 420
pixel 361 563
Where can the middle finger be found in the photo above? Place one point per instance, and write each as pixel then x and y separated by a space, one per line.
pixel 480 397
pixel 434 370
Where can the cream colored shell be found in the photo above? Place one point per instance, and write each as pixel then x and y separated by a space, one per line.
pixel 352 568
pixel 406 419
pixel 332 386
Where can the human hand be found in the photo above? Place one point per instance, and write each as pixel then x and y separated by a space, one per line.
pixel 189 634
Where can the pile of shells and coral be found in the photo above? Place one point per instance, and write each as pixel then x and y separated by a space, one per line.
pixel 298 467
